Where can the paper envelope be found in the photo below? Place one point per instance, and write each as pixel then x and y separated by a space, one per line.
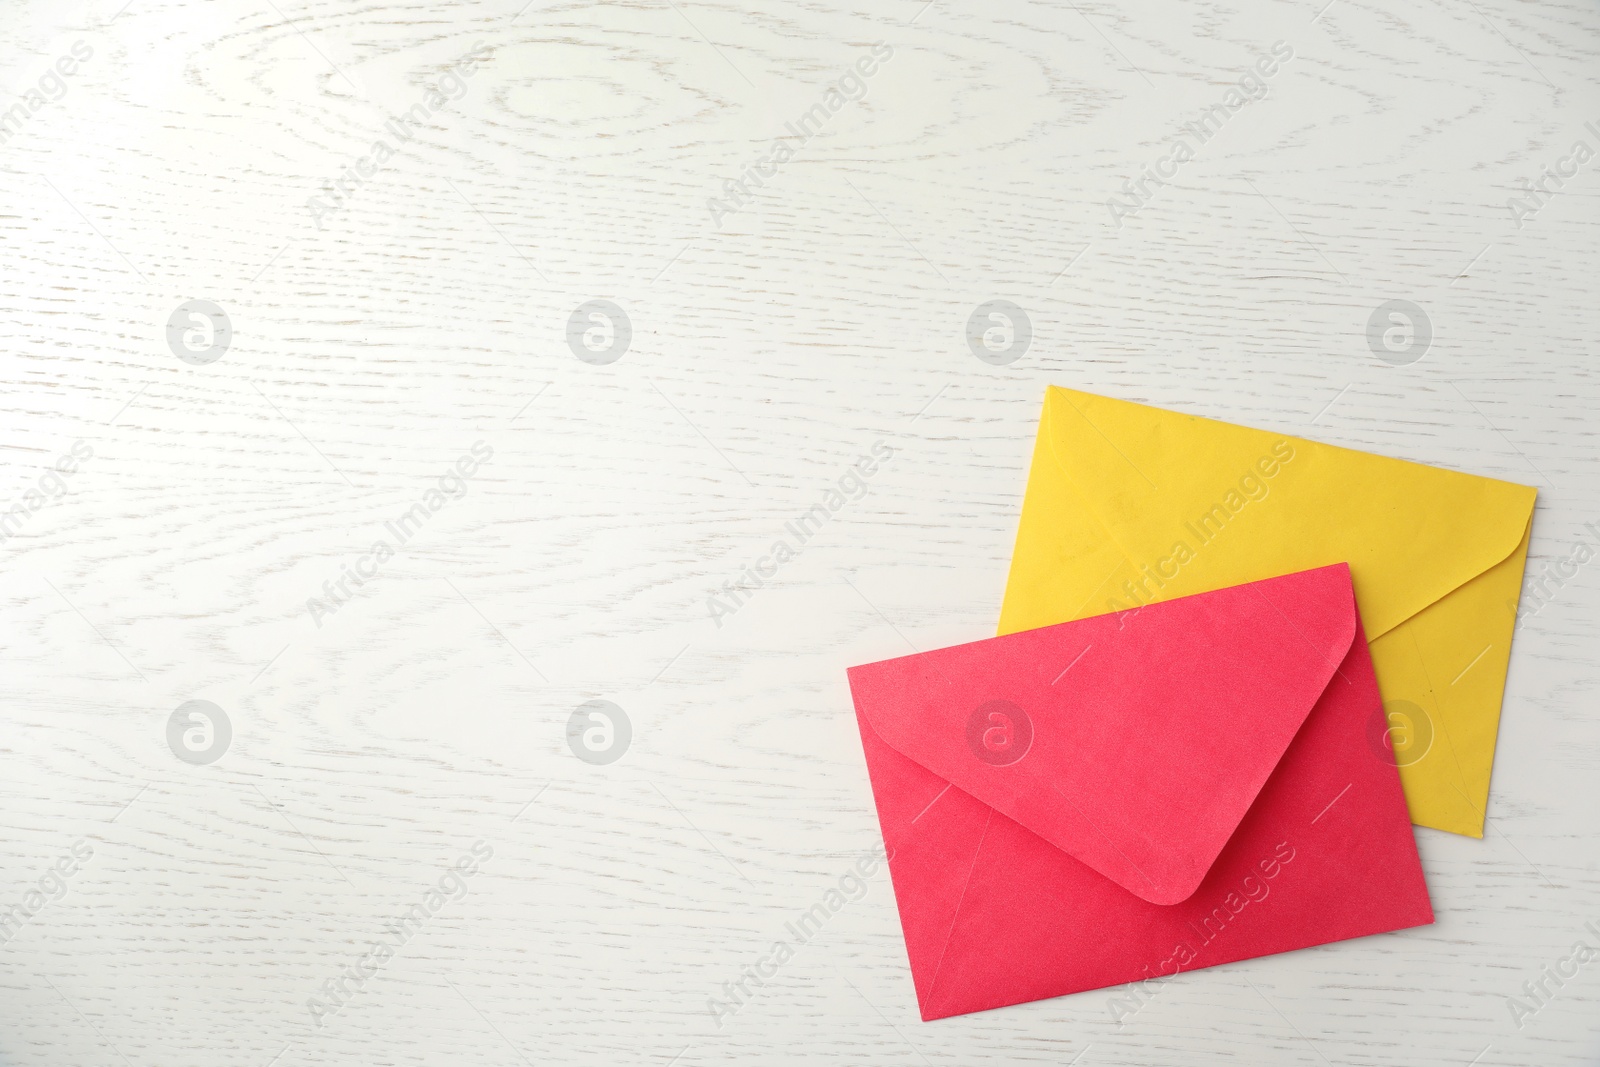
pixel 1129 504
pixel 1124 797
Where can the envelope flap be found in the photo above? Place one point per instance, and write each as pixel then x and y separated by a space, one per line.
pixel 1192 502
pixel 1135 741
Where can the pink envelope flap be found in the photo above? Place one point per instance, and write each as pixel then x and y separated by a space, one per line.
pixel 1134 742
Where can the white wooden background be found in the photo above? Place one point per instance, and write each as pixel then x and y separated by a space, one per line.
pixel 370 753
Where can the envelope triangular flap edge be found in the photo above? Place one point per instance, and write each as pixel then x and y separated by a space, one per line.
pixel 915 704
pixel 1398 523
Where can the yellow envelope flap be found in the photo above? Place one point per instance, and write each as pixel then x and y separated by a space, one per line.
pixel 1194 504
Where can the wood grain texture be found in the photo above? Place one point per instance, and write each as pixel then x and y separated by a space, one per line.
pixel 372 350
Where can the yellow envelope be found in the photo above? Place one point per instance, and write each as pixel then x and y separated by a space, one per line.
pixel 1129 504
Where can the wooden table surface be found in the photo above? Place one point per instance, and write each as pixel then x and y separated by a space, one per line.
pixel 397 216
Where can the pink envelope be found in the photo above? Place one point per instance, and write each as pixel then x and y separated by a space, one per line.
pixel 1137 794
